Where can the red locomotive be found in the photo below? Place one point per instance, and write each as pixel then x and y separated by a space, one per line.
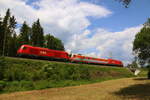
pixel 38 52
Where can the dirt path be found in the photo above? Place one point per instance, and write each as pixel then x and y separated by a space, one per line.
pixel 121 89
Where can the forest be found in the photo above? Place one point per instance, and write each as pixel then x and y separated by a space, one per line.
pixel 10 41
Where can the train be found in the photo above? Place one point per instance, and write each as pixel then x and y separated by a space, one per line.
pixel 57 55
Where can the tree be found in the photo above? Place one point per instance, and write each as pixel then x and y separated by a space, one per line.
pixel 13 46
pixel 141 45
pixel 58 44
pixel 125 2
pixel 53 43
pixel 1 37
pixel 133 64
pixel 24 36
pixel 147 24
pixel 5 32
pixel 37 36
pixel 7 27
pixel 49 39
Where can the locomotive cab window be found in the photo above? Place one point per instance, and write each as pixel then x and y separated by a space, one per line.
pixel 24 48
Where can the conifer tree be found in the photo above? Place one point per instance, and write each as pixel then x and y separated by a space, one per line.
pixel 24 36
pixel 41 34
pixel 13 46
pixel 8 29
pixel 5 33
pixel 1 37
pixel 37 36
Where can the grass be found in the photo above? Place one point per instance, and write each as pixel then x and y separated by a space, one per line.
pixel 17 74
pixel 143 73
pixel 120 89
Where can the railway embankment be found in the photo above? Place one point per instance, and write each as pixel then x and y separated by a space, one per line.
pixel 20 74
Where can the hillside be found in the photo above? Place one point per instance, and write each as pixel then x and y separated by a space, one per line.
pixel 19 74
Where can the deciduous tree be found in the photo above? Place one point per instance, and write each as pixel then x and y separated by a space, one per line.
pixel 53 43
pixel 141 45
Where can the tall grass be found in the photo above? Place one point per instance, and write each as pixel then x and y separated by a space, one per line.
pixel 18 74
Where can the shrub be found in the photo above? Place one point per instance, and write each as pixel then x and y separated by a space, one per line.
pixel 74 73
pixel 18 86
pixel 14 73
pixel 2 85
pixel 85 73
pixel 12 86
pixel 42 84
pixel 2 67
pixel 26 85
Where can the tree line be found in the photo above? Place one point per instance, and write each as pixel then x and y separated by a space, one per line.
pixel 34 35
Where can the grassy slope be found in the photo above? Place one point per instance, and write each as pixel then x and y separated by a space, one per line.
pixel 28 74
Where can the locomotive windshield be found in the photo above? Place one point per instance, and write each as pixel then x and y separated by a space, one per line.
pixel 23 47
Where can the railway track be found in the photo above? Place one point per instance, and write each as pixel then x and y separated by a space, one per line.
pixel 97 65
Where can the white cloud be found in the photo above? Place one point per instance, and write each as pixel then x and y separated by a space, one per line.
pixel 117 44
pixel 60 17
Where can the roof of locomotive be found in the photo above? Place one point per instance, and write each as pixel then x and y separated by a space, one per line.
pixel 29 46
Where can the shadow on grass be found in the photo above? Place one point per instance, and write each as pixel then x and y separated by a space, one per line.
pixel 141 79
pixel 138 91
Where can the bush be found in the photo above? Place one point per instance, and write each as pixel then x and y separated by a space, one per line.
pixel 18 86
pixel 42 84
pixel 74 73
pixel 12 86
pixel 85 73
pixel 26 85
pixel 2 85
pixel 2 67
pixel 14 73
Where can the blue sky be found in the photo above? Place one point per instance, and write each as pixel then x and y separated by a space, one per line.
pixel 137 13
pixel 91 27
